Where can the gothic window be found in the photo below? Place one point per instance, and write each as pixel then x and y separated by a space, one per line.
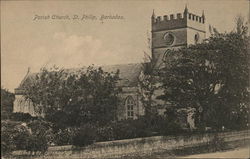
pixel 165 56
pixel 130 103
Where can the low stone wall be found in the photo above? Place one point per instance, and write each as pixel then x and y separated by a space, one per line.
pixel 146 145
pixel 142 146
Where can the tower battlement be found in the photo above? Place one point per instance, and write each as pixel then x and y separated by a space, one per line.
pixel 178 20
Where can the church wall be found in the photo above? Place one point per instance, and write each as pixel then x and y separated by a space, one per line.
pixel 196 25
pixel 191 36
pixel 23 105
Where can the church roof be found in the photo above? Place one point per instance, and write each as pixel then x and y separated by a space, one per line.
pixel 128 74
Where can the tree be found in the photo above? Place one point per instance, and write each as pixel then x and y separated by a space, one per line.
pixel 148 81
pixel 87 95
pixel 95 96
pixel 45 89
pixel 147 84
pixel 7 99
pixel 211 77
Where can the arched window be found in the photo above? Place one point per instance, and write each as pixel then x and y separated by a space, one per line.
pixel 130 103
pixel 196 38
pixel 166 55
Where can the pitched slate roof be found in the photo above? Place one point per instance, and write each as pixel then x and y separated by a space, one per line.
pixel 128 74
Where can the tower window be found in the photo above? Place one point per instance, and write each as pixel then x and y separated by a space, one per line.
pixel 130 103
pixel 196 38
pixel 169 38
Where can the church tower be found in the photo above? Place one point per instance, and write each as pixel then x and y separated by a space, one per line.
pixel 175 31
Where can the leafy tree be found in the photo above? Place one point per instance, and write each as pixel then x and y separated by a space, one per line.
pixel 88 95
pixel 7 99
pixel 148 81
pixel 148 84
pixel 45 89
pixel 211 77
pixel 92 96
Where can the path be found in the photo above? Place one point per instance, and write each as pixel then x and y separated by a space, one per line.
pixel 237 153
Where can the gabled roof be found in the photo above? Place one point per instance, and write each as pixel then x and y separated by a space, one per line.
pixel 128 74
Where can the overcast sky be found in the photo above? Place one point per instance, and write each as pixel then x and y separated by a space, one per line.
pixel 26 42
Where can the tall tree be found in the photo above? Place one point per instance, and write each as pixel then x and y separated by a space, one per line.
pixel 211 77
pixel 148 81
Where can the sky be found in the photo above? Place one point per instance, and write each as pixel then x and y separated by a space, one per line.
pixel 29 40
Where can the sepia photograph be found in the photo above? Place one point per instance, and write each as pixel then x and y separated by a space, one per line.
pixel 123 79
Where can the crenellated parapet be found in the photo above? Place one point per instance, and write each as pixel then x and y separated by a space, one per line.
pixel 178 20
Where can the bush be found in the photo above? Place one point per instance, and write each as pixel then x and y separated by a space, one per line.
pixel 170 127
pixel 36 143
pixel 19 136
pixel 128 129
pixel 25 117
pixel 63 137
pixel 7 136
pixel 105 133
pixel 124 130
pixel 85 135
pixel 42 129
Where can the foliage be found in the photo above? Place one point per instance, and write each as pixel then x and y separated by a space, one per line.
pixel 142 127
pixel 63 136
pixel 7 99
pixel 19 116
pixel 124 130
pixel 60 120
pixel 42 130
pixel 148 84
pixel 36 144
pixel 87 95
pixel 45 89
pixel 8 132
pixel 211 77
pixel 19 136
pixel 85 135
pixel 105 133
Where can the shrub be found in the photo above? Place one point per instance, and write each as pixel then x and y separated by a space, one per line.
pixel 170 128
pixel 63 137
pixel 105 133
pixel 128 129
pixel 85 135
pixel 7 134
pixel 42 129
pixel 36 143
pixel 124 130
pixel 25 117
pixel 19 136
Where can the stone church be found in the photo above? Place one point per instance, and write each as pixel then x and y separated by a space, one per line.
pixel 168 32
